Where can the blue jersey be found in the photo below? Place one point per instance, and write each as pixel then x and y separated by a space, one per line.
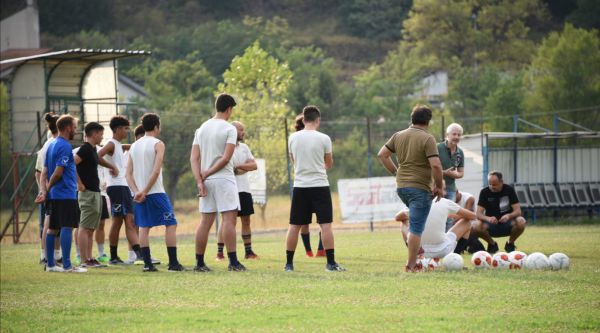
pixel 59 154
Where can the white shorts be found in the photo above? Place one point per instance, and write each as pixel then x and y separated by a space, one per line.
pixel 221 196
pixel 441 250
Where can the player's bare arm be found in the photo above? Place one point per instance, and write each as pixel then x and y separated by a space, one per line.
pixel 436 171
pixel 328 161
pixel 196 165
pixel 385 157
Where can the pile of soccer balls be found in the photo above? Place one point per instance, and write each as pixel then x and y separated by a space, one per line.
pixel 502 260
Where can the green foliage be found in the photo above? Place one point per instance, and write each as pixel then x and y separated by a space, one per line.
pixel 586 15
pixel 65 17
pixel 506 100
pixel 83 39
pixel 378 20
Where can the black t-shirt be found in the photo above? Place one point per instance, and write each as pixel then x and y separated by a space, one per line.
pixel 87 169
pixel 498 203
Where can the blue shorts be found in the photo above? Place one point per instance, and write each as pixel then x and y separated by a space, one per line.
pixel 155 211
pixel 418 202
pixel 121 201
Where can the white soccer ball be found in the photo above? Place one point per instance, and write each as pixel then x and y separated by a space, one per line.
pixel 537 260
pixel 481 260
pixel 559 261
pixel 453 262
pixel 501 260
pixel 517 259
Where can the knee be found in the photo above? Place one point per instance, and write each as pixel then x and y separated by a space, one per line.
pixel 520 223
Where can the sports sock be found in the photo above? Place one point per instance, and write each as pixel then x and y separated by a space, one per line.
pixel 330 256
pixel 290 257
pixel 66 240
pixel 461 245
pixel 132 256
pixel 172 251
pixel 233 258
pixel 113 252
pixel 200 260
pixel 136 249
pixel 42 254
pixel 306 241
pixel 100 250
pixel 146 256
pixel 78 252
pixel 320 242
pixel 49 249
pixel 57 254
pixel 220 247
pixel 247 243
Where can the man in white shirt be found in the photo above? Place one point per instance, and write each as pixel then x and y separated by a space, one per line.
pixel 311 153
pixel 243 161
pixel 212 150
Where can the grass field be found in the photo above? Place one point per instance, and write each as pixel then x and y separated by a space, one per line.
pixel 373 295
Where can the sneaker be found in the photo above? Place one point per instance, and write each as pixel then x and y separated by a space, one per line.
pixel 289 268
pixel 77 261
pixel 116 261
pixel 321 253
pixel 236 268
pixel 176 268
pixel 334 268
pixel 220 257
pixel 43 261
pixel 59 261
pixel 138 261
pixel 98 264
pixel 103 259
pixel 309 254
pixel 154 261
pixel 251 255
pixel 55 268
pixel 418 268
pixel 492 248
pixel 75 269
pixel 202 269
pixel 150 268
pixel 509 247
pixel 475 246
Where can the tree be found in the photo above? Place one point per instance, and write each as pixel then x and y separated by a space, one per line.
pixel 506 100
pixel 379 20
pixel 586 15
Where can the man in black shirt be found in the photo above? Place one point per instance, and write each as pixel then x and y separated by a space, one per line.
pixel 499 214
pixel 88 187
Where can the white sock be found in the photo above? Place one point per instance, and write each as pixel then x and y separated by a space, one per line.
pixel 42 254
pixel 132 255
pixel 57 255
pixel 100 250
pixel 77 251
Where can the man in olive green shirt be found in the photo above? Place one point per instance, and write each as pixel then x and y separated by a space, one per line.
pixel 452 159
pixel 418 160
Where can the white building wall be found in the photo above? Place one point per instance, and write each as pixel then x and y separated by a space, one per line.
pixel 21 30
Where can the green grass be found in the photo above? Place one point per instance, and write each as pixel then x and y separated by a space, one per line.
pixel 373 295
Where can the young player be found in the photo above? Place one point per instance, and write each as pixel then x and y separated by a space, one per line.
pixel 100 235
pixel 152 205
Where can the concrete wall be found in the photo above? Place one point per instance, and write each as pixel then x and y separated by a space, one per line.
pixel 21 30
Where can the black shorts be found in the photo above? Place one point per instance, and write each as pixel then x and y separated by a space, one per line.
pixel 104 209
pixel 309 200
pixel 121 200
pixel 500 229
pixel 246 204
pixel 63 213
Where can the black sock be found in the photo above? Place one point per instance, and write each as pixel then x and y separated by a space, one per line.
pixel 247 243
pixel 220 247
pixel 172 251
pixel 248 248
pixel 306 241
pixel 233 258
pixel 200 260
pixel 290 257
pixel 113 252
pixel 136 249
pixel 320 242
pixel 461 245
pixel 146 256
pixel 330 256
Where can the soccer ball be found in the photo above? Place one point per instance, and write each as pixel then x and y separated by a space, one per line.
pixel 559 261
pixel 481 260
pixel 453 262
pixel 537 260
pixel 500 260
pixel 517 259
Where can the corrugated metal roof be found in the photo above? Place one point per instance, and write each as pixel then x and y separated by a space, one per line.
pixel 92 55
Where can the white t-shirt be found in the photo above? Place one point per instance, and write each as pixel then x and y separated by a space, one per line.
pixel 41 155
pixel 241 155
pixel 142 154
pixel 308 148
pixel 212 137
pixel 118 159
pixel 463 201
pixel 435 227
pixel 103 175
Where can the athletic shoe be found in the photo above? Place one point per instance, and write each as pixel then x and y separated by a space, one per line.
pixel 155 261
pixel 176 268
pixel 202 269
pixel 309 254
pixel 97 264
pixel 334 268
pixel 220 257
pixel 116 261
pixel 475 246
pixel 509 247
pixel 54 268
pixel 289 268
pixel 43 261
pixel 418 268
pixel 251 255
pixel 138 261
pixel 321 253
pixel 77 261
pixel 150 268
pixel 492 248
pixel 236 268
pixel 75 269
pixel 103 259
pixel 59 261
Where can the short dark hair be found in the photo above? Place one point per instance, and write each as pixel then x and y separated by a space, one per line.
pixel 498 174
pixel 299 122
pixel 51 119
pixel 223 102
pixel 64 121
pixel 150 121
pixel 139 131
pixel 420 115
pixel 118 121
pixel 92 127
pixel 311 113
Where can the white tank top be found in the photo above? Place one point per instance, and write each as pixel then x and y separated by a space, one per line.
pixel 118 160
pixel 142 154
pixel 463 201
